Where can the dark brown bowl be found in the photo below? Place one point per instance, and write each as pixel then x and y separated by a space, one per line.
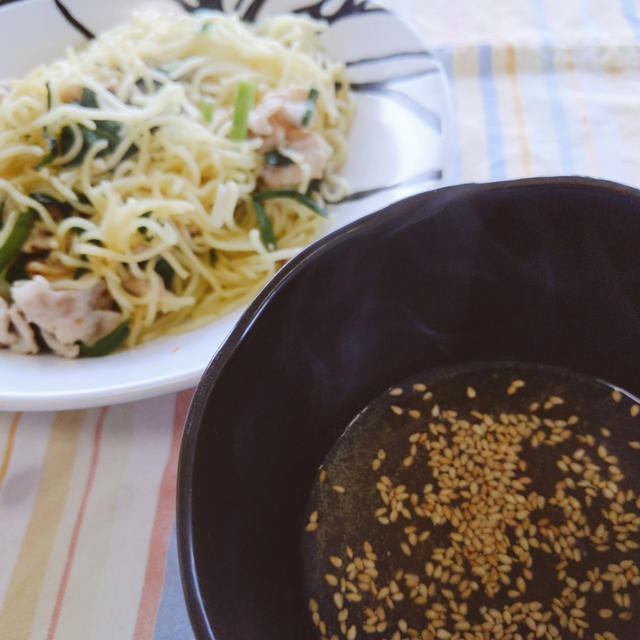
pixel 541 270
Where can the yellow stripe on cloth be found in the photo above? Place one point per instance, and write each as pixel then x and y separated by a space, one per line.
pixel 23 592
pixel 6 456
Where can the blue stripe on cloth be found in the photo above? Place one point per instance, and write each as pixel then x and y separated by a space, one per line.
pixel 497 170
pixel 172 620
pixel 558 116
pixel 453 171
pixel 631 14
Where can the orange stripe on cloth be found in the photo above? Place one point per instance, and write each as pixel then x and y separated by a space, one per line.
pixel 13 427
pixel 162 524
pixel 23 592
pixel 77 524
pixel 525 156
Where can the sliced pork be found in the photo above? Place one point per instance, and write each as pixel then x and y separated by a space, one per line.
pixel 67 316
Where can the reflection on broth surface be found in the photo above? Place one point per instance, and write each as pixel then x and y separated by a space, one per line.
pixel 480 502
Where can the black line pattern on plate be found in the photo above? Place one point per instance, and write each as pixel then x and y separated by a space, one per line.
pixel 428 117
pixel 430 175
pixel 348 8
pixel 216 5
pixel 428 55
pixel 379 85
pixel 73 21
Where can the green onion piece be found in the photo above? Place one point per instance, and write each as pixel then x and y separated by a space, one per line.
pixel 5 290
pixel 294 195
pixel 18 236
pixel 314 185
pixel 311 103
pixel 144 230
pixel 206 109
pixel 78 273
pixel 165 271
pixel 106 344
pixel 206 26
pixel 47 201
pixel 264 224
pixel 105 130
pixel 244 100
pixel 276 159
pixel 88 98
pixel 213 257
pixel 52 155
pixel 52 142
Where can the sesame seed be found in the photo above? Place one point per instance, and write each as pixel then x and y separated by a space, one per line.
pixel 469 473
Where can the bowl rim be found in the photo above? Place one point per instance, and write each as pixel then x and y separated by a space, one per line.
pixel 194 421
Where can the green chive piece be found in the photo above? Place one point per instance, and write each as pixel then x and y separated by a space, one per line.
pixel 107 344
pixel 206 109
pixel 244 101
pixel 311 103
pixel 206 26
pixel 165 271
pixel 213 257
pixel 53 152
pixel 264 224
pixel 294 195
pixel 18 236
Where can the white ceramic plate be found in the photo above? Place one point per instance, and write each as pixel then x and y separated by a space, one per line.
pixel 398 148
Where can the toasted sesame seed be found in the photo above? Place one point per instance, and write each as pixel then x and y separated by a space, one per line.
pixel 480 477
pixel 634 444
pixel 338 488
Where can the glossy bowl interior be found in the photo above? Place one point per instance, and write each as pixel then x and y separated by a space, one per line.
pixel 540 270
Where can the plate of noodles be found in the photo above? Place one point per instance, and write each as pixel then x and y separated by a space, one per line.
pixel 161 160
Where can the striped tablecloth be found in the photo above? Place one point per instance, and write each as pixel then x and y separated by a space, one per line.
pixel 87 524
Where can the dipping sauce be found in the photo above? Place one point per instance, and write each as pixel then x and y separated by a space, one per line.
pixel 480 502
